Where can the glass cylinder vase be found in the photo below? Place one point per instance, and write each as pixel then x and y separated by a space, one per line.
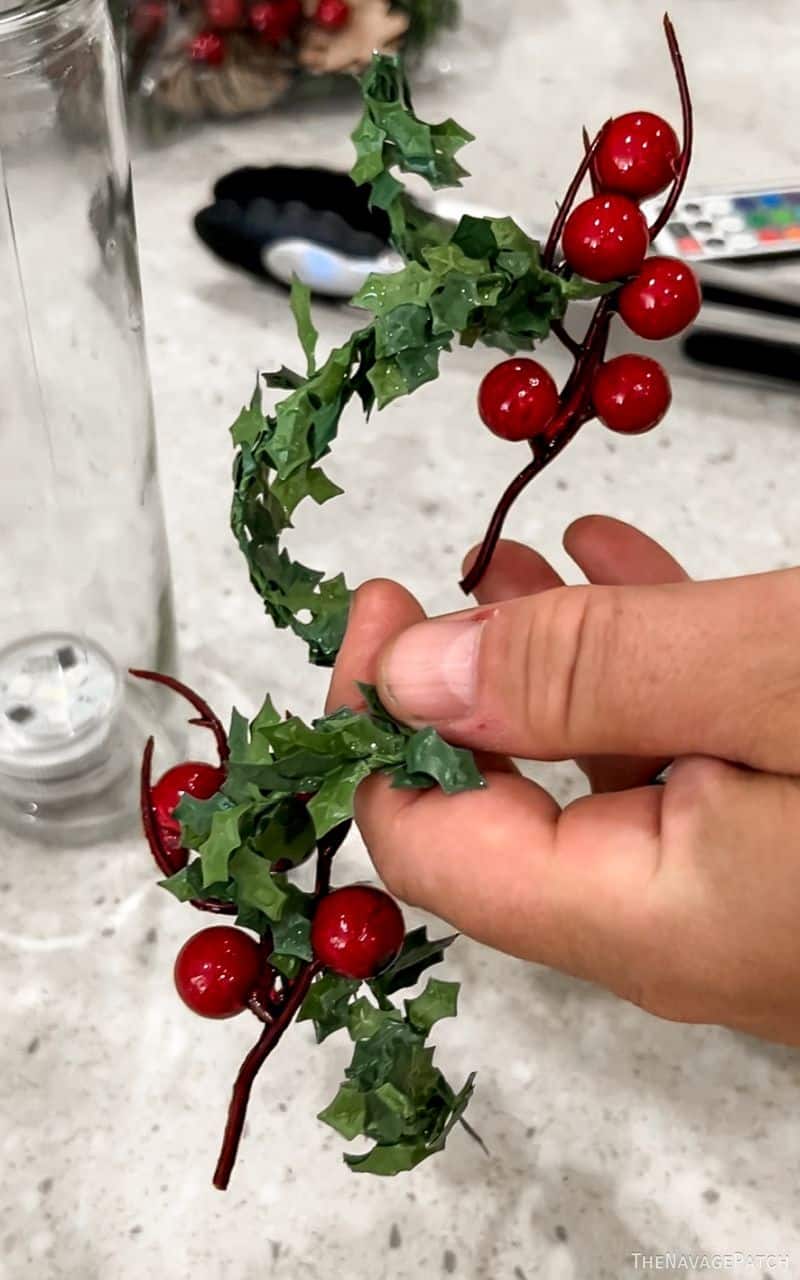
pixel 84 571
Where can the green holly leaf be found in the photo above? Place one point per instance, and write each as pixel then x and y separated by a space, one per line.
pixel 577 289
pixel 223 838
pixel 251 918
pixel 291 935
pixel 196 817
pixel 368 141
pixel 283 379
pixel 347 1113
pixel 334 801
pixel 249 425
pixel 453 768
pixel 186 883
pixel 374 1059
pixel 300 301
pixel 382 294
pixel 418 954
pixel 386 1161
pixel 289 966
pixel 288 835
pixel 364 1019
pixel 256 885
pixel 438 1000
pixel 326 1004
pixel 389 1114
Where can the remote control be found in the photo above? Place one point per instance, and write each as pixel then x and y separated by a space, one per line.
pixel 738 224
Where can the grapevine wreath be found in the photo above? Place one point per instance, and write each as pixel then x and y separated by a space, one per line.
pixel 228 836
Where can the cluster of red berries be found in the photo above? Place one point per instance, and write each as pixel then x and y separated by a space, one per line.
pixel 605 238
pixel 356 931
pixel 270 22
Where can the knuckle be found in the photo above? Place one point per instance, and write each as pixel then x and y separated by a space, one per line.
pixel 571 640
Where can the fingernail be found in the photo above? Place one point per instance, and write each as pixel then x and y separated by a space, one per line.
pixel 430 672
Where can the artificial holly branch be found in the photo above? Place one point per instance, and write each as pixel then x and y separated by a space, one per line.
pixel 284 790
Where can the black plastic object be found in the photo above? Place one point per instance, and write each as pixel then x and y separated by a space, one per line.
pixel 253 208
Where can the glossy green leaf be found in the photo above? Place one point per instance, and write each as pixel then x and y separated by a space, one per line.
pixel 300 301
pixel 223 838
pixel 326 1004
pixel 438 1000
pixel 453 768
pixel 255 883
pixel 418 954
pixel 347 1113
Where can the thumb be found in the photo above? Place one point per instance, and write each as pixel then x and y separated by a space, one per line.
pixel 686 668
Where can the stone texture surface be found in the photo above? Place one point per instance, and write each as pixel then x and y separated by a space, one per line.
pixel 609 1133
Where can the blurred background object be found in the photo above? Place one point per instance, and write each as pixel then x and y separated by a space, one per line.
pixel 192 59
pixel 84 570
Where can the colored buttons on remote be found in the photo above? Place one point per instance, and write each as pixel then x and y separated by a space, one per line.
pixel 750 224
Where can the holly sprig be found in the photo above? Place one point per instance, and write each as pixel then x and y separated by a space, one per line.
pixel 288 792
pixel 480 281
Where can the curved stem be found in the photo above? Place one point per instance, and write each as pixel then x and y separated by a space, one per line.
pixel 587 143
pixel 688 131
pixel 248 1071
pixel 574 412
pixel 328 848
pixel 152 830
pixel 558 331
pixel 205 716
pixel 164 860
pixel 566 205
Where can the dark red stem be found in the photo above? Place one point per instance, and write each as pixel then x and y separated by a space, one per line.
pixel 688 131
pixel 565 207
pixel 587 143
pixel 205 716
pixel 151 828
pixel 558 331
pixel 162 856
pixel 248 1071
pixel 574 412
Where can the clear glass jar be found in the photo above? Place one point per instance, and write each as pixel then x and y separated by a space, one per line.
pixel 84 571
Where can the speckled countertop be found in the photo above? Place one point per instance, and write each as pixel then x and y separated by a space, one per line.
pixel 610 1133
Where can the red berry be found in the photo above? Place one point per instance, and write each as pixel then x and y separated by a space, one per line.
pixel 275 20
pixel 357 931
pixel 225 15
pixel 517 399
pixel 606 238
pixel 637 155
pixel 631 394
pixel 663 299
pixel 147 18
pixel 208 48
pixel 193 778
pixel 332 14
pixel 216 970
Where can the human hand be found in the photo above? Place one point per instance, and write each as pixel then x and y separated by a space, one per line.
pixel 682 898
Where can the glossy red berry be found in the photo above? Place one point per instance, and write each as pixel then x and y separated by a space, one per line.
pixel 637 155
pixel 274 21
pixel 216 971
pixel 606 238
pixel 193 778
pixel 631 394
pixel 225 15
pixel 517 399
pixel 357 931
pixel 332 14
pixel 207 48
pixel 662 300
